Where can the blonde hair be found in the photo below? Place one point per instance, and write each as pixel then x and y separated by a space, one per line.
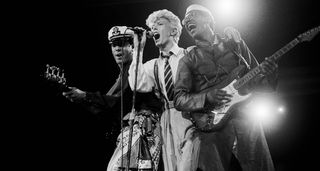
pixel 172 18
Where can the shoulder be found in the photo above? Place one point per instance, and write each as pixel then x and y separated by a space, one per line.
pixel 189 52
pixel 233 44
pixel 190 48
pixel 189 55
pixel 148 66
pixel 151 62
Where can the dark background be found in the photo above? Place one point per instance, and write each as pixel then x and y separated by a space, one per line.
pixel 73 36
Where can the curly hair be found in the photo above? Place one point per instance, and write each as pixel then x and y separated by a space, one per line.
pixel 172 18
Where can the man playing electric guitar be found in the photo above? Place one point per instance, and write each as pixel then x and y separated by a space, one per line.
pixel 202 74
pixel 145 139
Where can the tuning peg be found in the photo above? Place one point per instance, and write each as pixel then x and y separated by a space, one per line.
pixel 47 71
pixel 58 75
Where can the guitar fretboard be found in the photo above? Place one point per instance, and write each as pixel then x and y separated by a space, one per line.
pixel 254 72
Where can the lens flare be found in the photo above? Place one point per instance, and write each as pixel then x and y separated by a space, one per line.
pixel 266 109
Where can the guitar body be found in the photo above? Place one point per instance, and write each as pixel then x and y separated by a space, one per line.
pixel 217 118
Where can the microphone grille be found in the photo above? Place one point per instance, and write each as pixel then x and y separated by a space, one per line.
pixel 150 34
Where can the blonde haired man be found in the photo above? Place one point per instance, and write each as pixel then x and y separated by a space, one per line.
pixel 154 75
pixel 166 27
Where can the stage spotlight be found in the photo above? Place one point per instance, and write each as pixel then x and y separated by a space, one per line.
pixel 234 12
pixel 228 7
pixel 266 109
pixel 281 109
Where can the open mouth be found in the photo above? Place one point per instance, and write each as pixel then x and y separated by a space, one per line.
pixel 119 56
pixel 156 36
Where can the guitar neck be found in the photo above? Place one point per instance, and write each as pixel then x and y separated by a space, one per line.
pixel 254 72
pixel 285 49
pixel 64 88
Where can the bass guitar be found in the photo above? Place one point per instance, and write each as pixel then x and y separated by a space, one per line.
pixel 55 76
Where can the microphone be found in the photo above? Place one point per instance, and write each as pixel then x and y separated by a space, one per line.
pixel 138 30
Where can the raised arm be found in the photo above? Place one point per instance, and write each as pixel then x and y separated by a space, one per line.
pixel 144 81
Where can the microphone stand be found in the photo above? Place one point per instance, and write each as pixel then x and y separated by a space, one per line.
pixel 133 111
pixel 121 122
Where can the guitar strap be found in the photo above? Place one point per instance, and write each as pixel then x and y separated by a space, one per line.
pixel 116 89
pixel 236 49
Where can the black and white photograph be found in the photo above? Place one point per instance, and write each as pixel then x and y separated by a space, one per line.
pixel 179 85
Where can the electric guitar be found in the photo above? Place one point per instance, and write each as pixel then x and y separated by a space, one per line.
pixel 55 76
pixel 217 118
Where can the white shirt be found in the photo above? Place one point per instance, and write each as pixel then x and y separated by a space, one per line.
pixel 145 77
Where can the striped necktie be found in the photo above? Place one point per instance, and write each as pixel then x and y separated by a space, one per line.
pixel 168 77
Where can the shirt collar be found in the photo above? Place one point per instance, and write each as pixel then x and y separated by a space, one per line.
pixel 175 50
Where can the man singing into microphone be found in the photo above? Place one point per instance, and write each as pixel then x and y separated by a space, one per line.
pixel 159 74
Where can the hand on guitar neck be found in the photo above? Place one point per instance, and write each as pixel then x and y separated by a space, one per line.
pixel 75 95
pixel 56 77
pixel 268 66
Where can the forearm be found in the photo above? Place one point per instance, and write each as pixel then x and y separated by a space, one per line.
pixel 260 82
pixel 96 102
pixel 185 101
pixel 139 79
pixel 100 99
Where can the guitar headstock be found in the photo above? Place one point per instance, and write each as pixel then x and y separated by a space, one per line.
pixel 55 76
pixel 309 35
